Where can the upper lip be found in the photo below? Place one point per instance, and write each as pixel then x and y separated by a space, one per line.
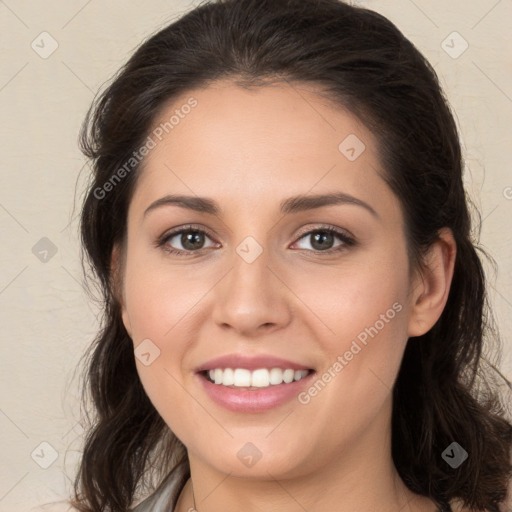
pixel 250 363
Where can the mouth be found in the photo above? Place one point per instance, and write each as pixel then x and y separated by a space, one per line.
pixel 260 378
pixel 241 390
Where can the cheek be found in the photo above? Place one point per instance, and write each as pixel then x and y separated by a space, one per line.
pixel 363 315
pixel 154 306
pixel 156 298
pixel 347 299
pixel 366 315
pixel 159 311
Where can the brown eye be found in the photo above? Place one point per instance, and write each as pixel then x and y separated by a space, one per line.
pixel 192 239
pixel 322 239
pixel 189 238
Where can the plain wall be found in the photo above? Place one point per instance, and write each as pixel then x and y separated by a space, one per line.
pixel 47 320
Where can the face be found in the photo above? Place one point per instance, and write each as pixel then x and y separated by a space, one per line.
pixel 255 280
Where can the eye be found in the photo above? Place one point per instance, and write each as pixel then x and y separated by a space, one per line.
pixel 190 238
pixel 323 237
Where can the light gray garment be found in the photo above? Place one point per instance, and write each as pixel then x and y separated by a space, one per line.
pixel 164 498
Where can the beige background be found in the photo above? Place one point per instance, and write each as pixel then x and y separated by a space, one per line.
pixel 46 318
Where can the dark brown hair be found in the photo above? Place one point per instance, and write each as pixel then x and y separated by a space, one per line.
pixel 443 392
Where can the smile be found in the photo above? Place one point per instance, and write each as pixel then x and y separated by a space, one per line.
pixel 241 396
pixel 255 379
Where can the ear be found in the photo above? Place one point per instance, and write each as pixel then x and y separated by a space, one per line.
pixel 432 286
pixel 116 276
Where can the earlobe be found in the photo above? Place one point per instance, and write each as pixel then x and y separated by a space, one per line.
pixel 126 321
pixel 116 276
pixel 432 289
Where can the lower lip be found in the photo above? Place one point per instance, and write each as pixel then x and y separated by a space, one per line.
pixel 256 400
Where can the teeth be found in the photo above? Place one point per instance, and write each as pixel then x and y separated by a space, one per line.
pixel 260 378
pixel 241 377
pixel 227 377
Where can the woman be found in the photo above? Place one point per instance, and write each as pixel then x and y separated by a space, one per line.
pixel 294 307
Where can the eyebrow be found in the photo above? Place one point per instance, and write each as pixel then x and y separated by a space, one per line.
pixel 288 206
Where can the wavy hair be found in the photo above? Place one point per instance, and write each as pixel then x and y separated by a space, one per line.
pixel 446 390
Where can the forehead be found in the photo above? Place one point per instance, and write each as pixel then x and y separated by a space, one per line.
pixel 274 141
pixel 297 112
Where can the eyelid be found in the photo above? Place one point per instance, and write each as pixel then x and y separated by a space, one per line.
pixel 325 227
pixel 178 230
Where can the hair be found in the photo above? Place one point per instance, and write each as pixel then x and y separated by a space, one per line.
pixel 443 393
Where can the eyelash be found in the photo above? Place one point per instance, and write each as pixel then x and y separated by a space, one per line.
pixel 347 241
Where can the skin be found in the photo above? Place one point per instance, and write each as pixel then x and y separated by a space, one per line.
pixel 248 150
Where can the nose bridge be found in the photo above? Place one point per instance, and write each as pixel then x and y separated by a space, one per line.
pixel 251 274
pixel 251 295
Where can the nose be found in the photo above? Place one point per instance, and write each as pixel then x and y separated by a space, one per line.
pixel 252 298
